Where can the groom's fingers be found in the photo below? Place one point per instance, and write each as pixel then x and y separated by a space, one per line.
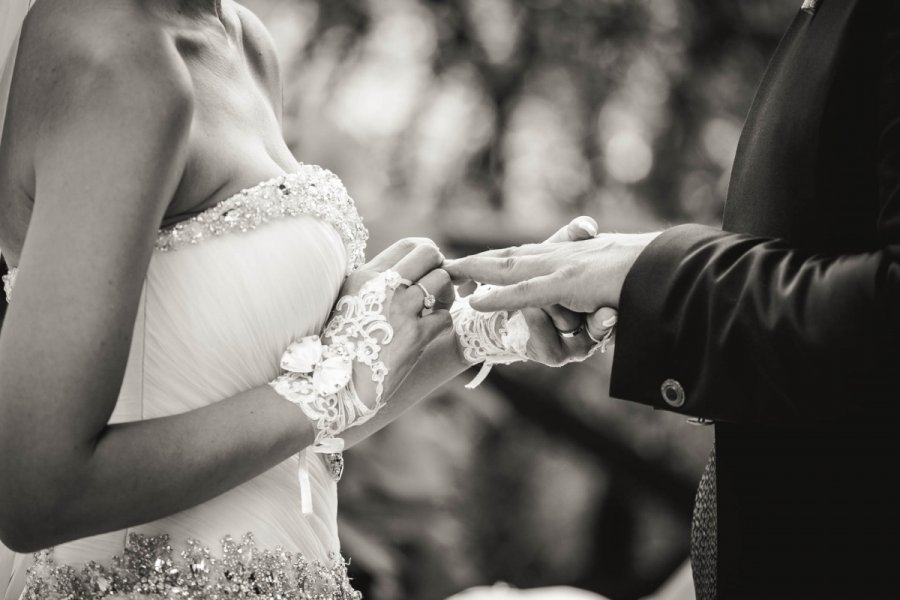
pixel 515 251
pixel 495 270
pixel 572 347
pixel 579 228
pixel 540 291
pixel 563 319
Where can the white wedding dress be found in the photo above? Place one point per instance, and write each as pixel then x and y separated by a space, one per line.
pixel 226 292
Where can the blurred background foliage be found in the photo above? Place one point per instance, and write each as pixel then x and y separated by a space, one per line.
pixel 485 123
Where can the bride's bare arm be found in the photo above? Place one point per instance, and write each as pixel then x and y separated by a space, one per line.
pixel 110 150
pixel 109 153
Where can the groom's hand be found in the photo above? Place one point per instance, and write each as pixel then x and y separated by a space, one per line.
pixel 581 276
pixel 599 322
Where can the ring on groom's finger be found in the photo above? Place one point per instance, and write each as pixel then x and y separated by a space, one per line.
pixel 572 332
pixel 406 282
pixel 429 299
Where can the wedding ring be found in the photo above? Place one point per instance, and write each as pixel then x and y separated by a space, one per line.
pixel 429 299
pixel 406 282
pixel 572 332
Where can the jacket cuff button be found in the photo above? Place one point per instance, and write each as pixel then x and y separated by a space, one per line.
pixel 672 393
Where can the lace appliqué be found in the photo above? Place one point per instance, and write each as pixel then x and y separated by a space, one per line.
pixel 489 338
pixel 310 191
pixel 358 319
pixel 318 376
pixel 9 281
pixel 148 569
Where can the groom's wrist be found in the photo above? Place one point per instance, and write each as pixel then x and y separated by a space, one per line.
pixel 630 248
pixel 646 354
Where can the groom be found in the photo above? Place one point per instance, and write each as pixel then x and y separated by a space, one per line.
pixel 783 328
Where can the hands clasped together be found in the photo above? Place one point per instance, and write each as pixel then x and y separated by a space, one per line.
pixel 568 287
pixel 552 303
pixel 576 277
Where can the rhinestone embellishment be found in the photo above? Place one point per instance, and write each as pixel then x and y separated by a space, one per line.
pixel 9 280
pixel 310 191
pixel 148 569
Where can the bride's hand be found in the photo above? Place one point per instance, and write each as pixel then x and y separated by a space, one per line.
pixel 417 260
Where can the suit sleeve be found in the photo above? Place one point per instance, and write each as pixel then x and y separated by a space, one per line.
pixel 756 331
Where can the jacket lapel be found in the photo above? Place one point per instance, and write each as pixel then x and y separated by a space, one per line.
pixel 774 176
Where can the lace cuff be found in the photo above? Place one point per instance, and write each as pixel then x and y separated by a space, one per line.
pixel 500 337
pixel 489 338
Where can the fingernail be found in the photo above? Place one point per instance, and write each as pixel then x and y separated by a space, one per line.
pixel 589 227
pixel 611 321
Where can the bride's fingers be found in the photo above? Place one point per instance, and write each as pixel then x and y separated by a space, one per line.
pixel 419 262
pixel 395 252
pixel 437 284
pixel 436 323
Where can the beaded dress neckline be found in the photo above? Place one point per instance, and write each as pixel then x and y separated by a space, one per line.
pixel 311 190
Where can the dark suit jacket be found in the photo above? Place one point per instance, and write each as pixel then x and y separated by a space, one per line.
pixel 784 326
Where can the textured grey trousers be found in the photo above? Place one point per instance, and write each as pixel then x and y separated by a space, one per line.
pixel 704 540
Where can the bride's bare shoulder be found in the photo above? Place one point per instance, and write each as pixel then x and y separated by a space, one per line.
pixel 75 42
pixel 76 56
pixel 87 68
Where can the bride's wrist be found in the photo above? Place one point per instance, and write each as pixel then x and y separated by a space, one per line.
pixel 488 338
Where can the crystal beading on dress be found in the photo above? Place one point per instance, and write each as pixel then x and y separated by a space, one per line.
pixel 9 280
pixel 311 190
pixel 148 569
pixel 318 376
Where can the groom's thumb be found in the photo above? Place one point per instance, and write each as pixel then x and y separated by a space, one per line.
pixel 601 322
pixel 579 228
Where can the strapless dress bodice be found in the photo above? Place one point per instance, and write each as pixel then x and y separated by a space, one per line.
pixel 225 293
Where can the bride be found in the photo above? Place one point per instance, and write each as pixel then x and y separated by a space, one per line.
pixel 177 379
